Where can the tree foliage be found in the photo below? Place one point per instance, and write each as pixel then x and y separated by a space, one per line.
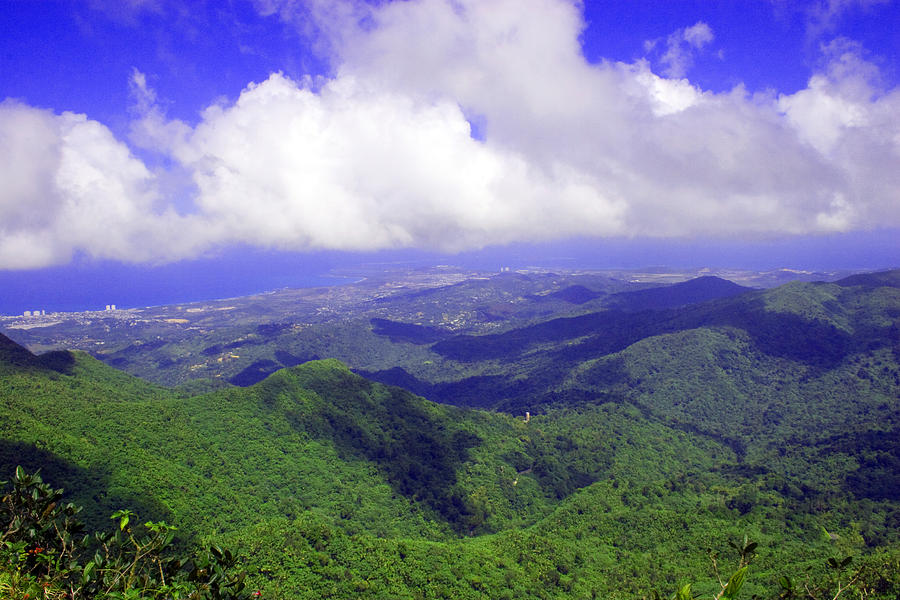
pixel 46 553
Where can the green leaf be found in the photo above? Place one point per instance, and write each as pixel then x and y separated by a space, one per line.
pixel 684 593
pixel 88 569
pixel 124 516
pixel 734 584
pixel 785 583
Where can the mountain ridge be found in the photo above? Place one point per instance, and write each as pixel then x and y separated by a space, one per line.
pixel 709 428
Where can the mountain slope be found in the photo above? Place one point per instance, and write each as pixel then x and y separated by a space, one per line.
pixel 693 291
pixel 819 326
pixel 772 414
pixel 306 438
pixel 273 450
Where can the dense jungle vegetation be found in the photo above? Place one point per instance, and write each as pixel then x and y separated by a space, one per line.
pixel 667 436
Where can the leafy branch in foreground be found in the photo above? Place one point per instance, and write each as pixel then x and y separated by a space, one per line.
pixel 728 590
pixel 874 579
pixel 862 579
pixel 45 553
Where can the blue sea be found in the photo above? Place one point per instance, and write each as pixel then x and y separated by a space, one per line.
pixel 90 285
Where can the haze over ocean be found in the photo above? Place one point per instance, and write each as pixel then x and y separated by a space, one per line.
pixel 90 285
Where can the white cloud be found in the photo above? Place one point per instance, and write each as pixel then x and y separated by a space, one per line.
pixel 667 96
pixel 681 46
pixel 380 155
pixel 70 186
pixel 681 161
pixel 349 167
pixel 854 124
pixel 151 129
pixel 698 35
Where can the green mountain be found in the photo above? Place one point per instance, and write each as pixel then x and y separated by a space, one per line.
pixel 816 327
pixel 701 289
pixel 659 429
pixel 240 341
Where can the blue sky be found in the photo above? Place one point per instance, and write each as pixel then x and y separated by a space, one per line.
pixel 143 133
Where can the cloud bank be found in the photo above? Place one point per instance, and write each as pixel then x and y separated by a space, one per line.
pixel 381 154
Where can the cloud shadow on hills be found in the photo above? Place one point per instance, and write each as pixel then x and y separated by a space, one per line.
pixel 815 343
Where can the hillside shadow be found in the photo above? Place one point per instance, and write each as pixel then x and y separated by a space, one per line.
pixel 88 488
pixel 480 391
pixel 255 372
pixel 60 361
pixel 16 355
pixel 260 369
pixel 878 455
pixel 417 454
pixel 409 333
pixel 787 335
pixel 814 342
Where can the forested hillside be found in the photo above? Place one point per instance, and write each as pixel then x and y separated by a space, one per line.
pixel 661 430
pixel 373 325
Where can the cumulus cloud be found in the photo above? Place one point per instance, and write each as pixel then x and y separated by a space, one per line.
pixel 680 160
pixel 681 46
pixel 381 155
pixel 348 167
pixel 70 186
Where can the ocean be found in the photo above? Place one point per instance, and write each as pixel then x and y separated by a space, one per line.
pixel 87 284
pixel 91 285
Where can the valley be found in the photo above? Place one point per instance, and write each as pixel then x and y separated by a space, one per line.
pixel 240 340
pixel 370 440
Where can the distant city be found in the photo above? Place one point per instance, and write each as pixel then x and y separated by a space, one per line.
pixel 43 313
